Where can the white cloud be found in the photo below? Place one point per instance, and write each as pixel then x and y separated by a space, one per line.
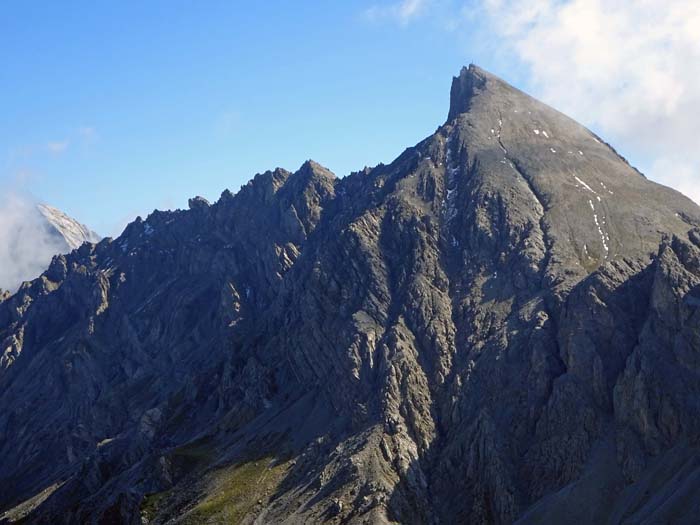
pixel 26 244
pixel 403 11
pixel 88 134
pixel 57 147
pixel 630 69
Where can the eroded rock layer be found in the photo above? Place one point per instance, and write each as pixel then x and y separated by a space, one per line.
pixel 503 324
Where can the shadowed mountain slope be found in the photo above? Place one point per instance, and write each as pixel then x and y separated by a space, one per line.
pixel 502 324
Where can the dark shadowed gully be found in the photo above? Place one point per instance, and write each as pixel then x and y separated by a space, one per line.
pixel 502 325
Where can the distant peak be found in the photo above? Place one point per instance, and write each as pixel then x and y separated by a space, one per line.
pixel 310 164
pixel 313 167
pixel 73 232
pixel 464 86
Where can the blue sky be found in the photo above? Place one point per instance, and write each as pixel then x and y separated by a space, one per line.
pixel 112 109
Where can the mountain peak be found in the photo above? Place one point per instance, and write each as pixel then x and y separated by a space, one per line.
pixel 464 87
pixel 73 232
pixel 470 82
pixel 508 282
pixel 312 167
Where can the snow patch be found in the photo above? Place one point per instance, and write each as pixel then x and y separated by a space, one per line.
pixel 604 237
pixel 606 188
pixel 585 185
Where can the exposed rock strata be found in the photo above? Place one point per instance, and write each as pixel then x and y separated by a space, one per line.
pixel 502 324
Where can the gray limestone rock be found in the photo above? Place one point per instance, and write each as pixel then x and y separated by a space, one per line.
pixel 502 324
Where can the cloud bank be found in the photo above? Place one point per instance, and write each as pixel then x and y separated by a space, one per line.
pixel 26 243
pixel 57 147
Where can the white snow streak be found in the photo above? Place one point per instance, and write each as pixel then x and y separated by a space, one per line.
pixel 604 237
pixel 585 185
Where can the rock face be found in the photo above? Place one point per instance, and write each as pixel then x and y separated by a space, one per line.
pixel 502 325
pixel 31 234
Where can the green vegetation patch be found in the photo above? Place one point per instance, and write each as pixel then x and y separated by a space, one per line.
pixel 233 492
pixel 151 504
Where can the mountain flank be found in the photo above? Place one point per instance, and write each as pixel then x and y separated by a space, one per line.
pixel 500 326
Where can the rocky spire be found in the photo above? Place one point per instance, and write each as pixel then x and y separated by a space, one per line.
pixel 463 89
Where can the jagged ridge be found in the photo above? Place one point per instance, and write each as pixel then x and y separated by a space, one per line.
pixel 454 337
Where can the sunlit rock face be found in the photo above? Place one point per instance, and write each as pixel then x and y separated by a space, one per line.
pixel 71 231
pixel 501 325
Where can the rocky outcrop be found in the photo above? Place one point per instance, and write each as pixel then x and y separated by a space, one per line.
pixel 500 325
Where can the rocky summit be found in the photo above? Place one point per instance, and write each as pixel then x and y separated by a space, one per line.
pixel 501 326
pixel 68 230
